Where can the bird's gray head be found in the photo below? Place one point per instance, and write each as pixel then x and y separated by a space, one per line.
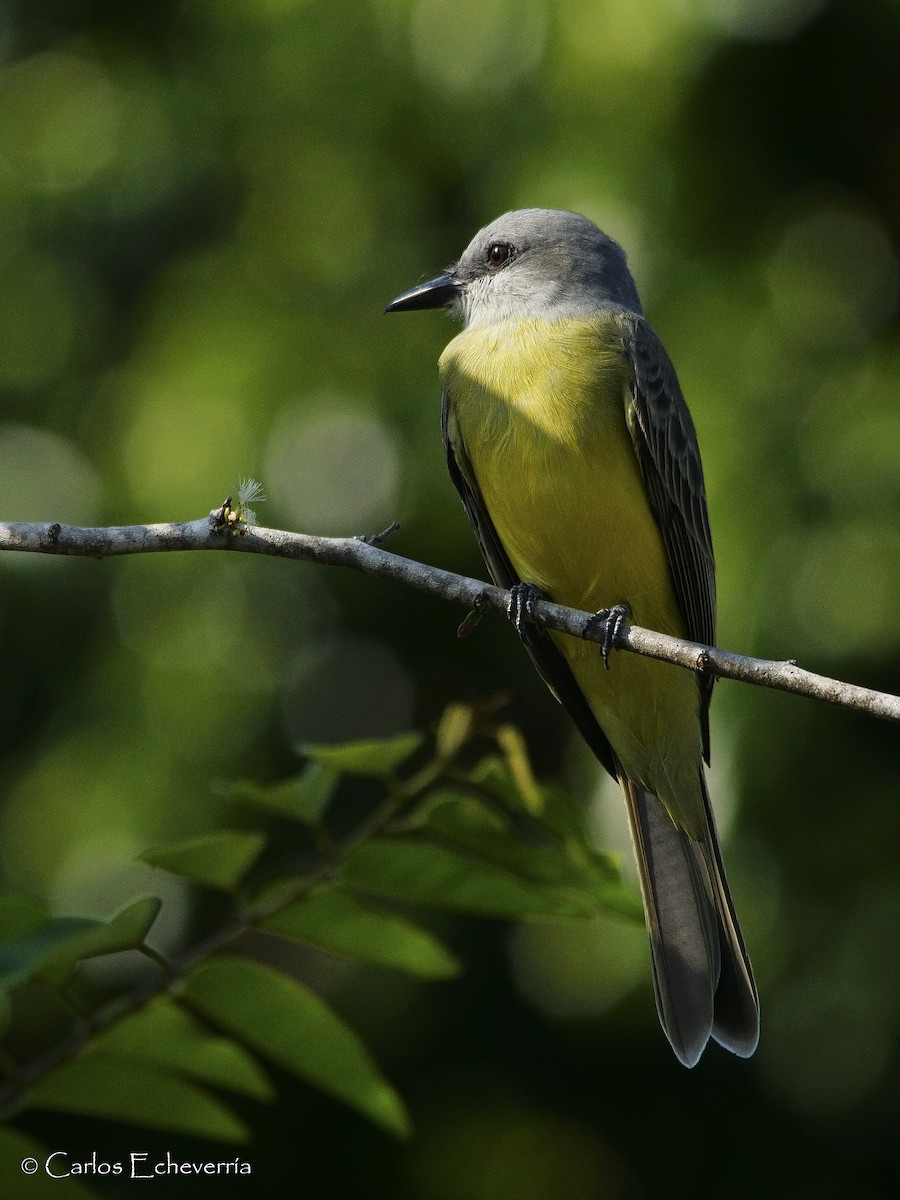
pixel 536 262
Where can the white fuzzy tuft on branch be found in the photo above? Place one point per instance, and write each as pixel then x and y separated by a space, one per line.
pixel 222 530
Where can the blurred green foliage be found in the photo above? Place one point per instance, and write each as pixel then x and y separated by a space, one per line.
pixel 204 206
pixel 488 840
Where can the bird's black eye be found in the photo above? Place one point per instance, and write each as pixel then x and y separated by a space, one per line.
pixel 499 254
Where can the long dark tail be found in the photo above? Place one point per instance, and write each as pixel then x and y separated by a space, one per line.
pixel 701 973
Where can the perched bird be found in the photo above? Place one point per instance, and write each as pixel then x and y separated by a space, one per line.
pixel 573 450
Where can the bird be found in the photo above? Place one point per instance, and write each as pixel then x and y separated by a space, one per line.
pixel 571 445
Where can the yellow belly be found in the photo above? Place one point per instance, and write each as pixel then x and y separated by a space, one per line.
pixel 540 409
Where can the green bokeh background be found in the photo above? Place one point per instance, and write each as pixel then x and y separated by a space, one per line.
pixel 204 207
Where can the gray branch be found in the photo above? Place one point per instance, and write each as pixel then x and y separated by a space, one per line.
pixel 222 531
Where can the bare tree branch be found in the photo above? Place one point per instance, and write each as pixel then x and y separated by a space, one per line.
pixel 221 531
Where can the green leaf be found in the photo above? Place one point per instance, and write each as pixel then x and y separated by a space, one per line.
pixel 454 729
pixel 126 931
pixel 164 1035
pixel 335 920
pixel 556 812
pixel 492 773
pixel 376 758
pixel 217 860
pixel 617 899
pixel 6 1013
pixel 469 824
pixel 129 927
pixel 23 955
pixel 289 1024
pixel 103 1085
pixel 515 754
pixel 427 874
pixel 16 1148
pixel 276 892
pixel 302 798
pixel 560 814
pixel 451 810
pixel 19 915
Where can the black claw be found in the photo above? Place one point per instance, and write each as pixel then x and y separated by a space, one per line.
pixel 613 619
pixel 521 604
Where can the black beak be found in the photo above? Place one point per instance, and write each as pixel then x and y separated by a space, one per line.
pixel 434 294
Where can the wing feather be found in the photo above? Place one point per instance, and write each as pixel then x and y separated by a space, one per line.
pixel 665 443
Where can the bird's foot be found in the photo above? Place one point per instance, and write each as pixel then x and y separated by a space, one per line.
pixel 612 619
pixel 520 608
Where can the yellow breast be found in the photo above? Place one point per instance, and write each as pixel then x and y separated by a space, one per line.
pixel 540 410
pixel 540 407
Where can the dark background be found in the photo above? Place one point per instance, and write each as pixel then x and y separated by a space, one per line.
pixel 204 207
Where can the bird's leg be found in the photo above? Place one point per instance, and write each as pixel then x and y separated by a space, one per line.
pixel 520 608
pixel 613 619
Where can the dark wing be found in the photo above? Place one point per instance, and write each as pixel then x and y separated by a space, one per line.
pixel 546 657
pixel 665 443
